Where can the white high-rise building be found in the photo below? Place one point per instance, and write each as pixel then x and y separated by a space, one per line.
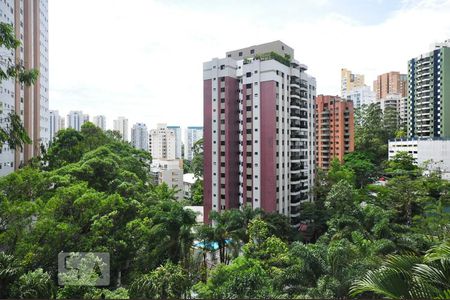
pixel 75 119
pixel 62 123
pixel 30 22
pixel 55 124
pixel 360 96
pixel 139 136
pixel 193 134
pixel 258 131
pixel 178 143
pixel 121 125
pixel 162 142
pixel 100 122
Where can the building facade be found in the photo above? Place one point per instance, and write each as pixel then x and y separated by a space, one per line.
pixel 162 142
pixel 431 153
pixel 55 124
pixel 350 81
pixel 258 131
pixel 178 142
pixel 334 129
pixel 121 125
pixel 30 21
pixel 100 122
pixel 390 83
pixel 169 172
pixel 361 96
pixel 75 119
pixel 429 93
pixel 193 135
pixel 139 136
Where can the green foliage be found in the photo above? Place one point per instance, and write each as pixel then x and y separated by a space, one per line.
pixel 34 285
pixel 244 279
pixel 167 281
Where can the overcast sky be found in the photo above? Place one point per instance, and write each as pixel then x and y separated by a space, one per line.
pixel 142 59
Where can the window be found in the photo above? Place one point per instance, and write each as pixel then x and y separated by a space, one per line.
pixel 248 74
pixel 252 51
pixel 240 53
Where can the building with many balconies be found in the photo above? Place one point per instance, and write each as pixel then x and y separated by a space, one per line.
pixel 258 131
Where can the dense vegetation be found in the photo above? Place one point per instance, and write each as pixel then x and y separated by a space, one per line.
pixel 91 192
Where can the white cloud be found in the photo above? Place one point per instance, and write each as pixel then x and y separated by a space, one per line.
pixel 143 59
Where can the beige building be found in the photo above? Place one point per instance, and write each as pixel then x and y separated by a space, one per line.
pixel 121 125
pixel 169 172
pixel 350 81
pixel 390 83
pixel 29 19
pixel 162 142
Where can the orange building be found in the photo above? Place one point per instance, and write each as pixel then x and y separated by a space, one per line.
pixel 335 130
pixel 390 83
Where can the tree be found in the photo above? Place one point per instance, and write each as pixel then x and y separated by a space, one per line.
pixel 10 270
pixel 168 281
pixel 245 278
pixel 34 285
pixel 409 277
pixel 197 159
pixel 361 165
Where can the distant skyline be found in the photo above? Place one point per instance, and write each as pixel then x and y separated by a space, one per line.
pixel 143 59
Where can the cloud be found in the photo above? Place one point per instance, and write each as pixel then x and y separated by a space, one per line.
pixel 143 59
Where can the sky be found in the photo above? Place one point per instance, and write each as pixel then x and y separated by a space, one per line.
pixel 142 59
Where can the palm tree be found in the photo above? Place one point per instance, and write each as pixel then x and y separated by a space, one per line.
pixel 410 276
pixel 9 272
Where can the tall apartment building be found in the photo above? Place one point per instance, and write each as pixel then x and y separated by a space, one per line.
pixel 334 129
pixel 29 19
pixel 429 93
pixel 75 119
pixel 258 131
pixel 121 125
pixel 55 123
pixel 100 122
pixel 162 142
pixel 193 135
pixel 350 81
pixel 390 83
pixel 62 123
pixel 139 136
pixel 178 142
pixel 360 96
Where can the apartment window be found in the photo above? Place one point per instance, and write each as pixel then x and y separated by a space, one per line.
pixel 252 51
pixel 248 86
pixel 248 74
pixel 240 53
pixel 222 89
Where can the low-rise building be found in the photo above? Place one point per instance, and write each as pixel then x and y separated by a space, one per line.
pixel 188 181
pixel 169 172
pixel 433 153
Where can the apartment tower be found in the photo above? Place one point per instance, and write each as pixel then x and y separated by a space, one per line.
pixel 100 122
pixel 139 136
pixel 334 129
pixel 162 142
pixel 258 131
pixel 390 83
pixel 429 93
pixel 29 19
pixel 177 131
pixel 55 124
pixel 350 81
pixel 121 125
pixel 193 135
